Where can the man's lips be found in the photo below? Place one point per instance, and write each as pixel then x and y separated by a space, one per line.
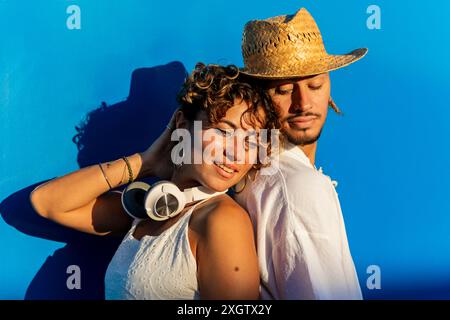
pixel 302 119
pixel 302 122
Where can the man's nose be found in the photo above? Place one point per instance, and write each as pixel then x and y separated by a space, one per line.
pixel 300 100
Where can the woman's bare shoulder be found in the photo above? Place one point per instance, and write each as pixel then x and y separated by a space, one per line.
pixel 220 212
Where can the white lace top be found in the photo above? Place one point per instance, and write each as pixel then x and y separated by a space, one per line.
pixel 155 267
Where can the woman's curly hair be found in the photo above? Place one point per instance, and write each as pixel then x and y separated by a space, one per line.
pixel 214 89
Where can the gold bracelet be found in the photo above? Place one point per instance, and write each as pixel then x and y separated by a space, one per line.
pixel 130 172
pixel 104 175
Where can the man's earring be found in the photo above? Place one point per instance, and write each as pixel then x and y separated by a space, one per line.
pixel 333 105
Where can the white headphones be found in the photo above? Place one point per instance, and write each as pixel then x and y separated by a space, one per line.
pixel 161 201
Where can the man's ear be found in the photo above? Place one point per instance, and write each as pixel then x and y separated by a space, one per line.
pixel 180 120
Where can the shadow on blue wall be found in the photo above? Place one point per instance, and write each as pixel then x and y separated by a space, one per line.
pixel 106 133
pixel 110 132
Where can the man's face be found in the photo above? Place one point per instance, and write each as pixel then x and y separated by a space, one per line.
pixel 302 104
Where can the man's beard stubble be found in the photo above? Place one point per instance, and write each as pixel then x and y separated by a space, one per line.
pixel 302 140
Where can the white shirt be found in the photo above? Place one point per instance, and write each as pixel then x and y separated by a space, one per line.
pixel 300 234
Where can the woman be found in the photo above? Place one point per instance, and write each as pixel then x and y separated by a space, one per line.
pixel 207 251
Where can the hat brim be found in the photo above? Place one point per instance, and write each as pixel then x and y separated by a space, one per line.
pixel 329 63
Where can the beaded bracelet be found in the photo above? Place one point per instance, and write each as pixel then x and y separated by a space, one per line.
pixel 130 172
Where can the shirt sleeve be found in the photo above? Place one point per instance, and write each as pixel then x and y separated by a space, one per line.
pixel 284 272
pixel 290 270
pixel 298 242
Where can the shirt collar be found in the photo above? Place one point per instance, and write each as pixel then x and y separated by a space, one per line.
pixel 296 152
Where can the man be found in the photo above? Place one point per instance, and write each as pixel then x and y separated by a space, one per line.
pixel 301 239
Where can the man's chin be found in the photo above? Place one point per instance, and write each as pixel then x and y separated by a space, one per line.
pixel 303 139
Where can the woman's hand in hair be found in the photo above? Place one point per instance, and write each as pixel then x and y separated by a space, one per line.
pixel 156 160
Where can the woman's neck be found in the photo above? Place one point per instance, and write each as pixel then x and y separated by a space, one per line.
pixel 182 181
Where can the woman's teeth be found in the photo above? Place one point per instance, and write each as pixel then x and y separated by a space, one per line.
pixel 224 168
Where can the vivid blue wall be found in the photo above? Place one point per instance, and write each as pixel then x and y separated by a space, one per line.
pixel 390 151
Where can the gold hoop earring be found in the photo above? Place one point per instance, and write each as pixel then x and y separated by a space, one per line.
pixel 240 186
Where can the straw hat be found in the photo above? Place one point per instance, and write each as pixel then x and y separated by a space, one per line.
pixel 289 46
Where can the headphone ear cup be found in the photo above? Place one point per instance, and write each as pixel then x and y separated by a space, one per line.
pixel 133 199
pixel 164 200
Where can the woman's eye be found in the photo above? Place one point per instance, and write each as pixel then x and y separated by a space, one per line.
pixel 225 132
pixel 250 143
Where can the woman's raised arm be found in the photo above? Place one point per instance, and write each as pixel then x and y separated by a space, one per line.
pixel 81 199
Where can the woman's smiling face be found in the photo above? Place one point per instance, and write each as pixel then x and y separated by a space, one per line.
pixel 227 153
pixel 231 112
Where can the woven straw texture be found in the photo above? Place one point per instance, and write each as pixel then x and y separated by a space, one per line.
pixel 289 46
